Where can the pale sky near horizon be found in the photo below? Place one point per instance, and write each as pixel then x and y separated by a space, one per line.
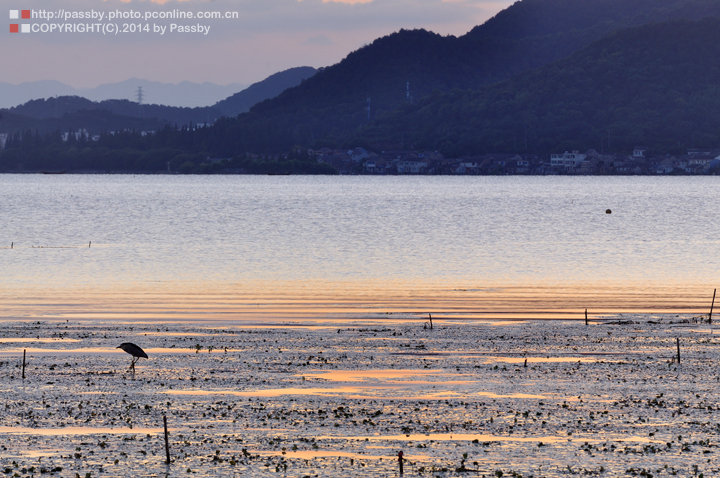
pixel 268 36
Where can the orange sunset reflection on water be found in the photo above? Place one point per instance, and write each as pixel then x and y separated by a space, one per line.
pixel 313 302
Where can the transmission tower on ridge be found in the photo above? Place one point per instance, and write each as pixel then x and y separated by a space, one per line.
pixel 139 95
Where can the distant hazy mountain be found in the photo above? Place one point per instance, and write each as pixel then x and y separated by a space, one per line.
pixel 184 94
pixel 74 112
pixel 13 95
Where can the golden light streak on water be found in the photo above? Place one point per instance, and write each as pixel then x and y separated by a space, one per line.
pixel 308 301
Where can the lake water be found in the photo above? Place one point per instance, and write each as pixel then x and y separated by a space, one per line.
pixel 261 247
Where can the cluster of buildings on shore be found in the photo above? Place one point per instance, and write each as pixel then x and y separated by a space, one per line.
pixel 405 162
pixel 362 161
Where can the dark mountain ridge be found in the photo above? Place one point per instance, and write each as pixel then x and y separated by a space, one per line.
pixel 374 80
pixel 270 87
pixel 651 85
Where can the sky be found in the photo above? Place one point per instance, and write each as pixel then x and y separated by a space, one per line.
pixel 266 36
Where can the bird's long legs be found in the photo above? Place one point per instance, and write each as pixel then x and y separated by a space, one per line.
pixel 132 364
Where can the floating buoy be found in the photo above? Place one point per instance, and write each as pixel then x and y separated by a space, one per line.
pixel 608 211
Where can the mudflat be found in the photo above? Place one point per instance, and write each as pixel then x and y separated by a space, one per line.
pixel 342 398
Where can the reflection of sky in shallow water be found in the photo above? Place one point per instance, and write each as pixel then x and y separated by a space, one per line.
pixel 43 453
pixel 273 392
pixel 440 437
pixel 67 431
pixel 39 340
pixel 110 350
pixel 314 454
pixel 380 392
pixel 381 375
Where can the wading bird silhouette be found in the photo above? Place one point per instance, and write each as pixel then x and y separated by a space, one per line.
pixel 133 350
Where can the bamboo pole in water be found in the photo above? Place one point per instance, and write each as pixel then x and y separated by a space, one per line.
pixel 167 443
pixel 711 307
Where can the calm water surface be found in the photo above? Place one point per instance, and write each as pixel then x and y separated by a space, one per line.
pixel 278 236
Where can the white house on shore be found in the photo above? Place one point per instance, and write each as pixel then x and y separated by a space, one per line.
pixel 567 160
pixel 639 152
pixel 411 167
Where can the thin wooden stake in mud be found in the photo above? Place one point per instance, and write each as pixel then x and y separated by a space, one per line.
pixel 23 369
pixel 12 244
pixel 586 320
pixel 400 461
pixel 431 326
pixel 167 443
pixel 711 307
pixel 678 349
pixel 89 244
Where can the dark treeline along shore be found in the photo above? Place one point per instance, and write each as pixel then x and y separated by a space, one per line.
pixel 622 86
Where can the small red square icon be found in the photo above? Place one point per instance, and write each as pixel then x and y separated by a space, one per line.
pixel 14 28
pixel 26 14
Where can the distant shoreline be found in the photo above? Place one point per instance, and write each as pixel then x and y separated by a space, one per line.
pixel 145 173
